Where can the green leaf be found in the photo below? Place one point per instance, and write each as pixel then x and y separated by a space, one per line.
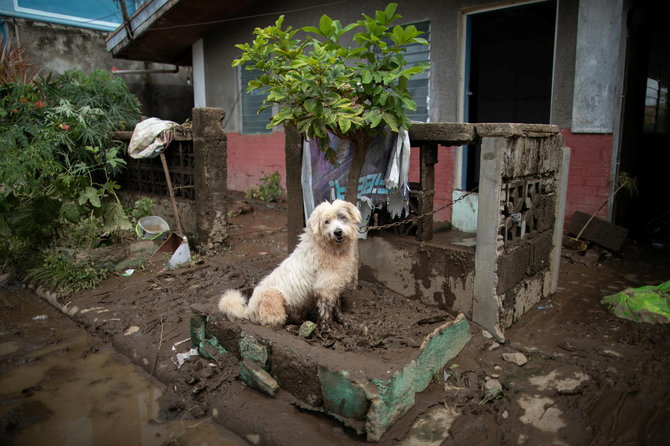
pixel 311 105
pixel 326 26
pixel 344 123
pixel 311 29
pixel 90 194
pixel 367 77
pixel 115 218
pixel 391 121
pixel 70 211
pixel 374 117
pixel 408 103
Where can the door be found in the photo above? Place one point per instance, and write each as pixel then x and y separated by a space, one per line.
pixel 508 76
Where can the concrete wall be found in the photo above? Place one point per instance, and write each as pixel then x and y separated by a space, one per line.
pixel 514 260
pixel 58 48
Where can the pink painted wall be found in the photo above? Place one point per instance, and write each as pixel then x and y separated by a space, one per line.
pixel 251 157
pixel 589 173
pixel 444 178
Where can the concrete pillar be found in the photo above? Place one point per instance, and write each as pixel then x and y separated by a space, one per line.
pixel 210 175
pixel 486 304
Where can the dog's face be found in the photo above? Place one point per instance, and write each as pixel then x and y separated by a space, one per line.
pixel 335 222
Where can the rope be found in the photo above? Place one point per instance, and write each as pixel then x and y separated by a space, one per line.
pixel 367 228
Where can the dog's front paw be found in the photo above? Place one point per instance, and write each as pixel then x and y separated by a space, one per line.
pixel 337 315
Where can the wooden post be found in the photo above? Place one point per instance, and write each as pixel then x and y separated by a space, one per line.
pixel 428 158
pixel 173 202
pixel 296 213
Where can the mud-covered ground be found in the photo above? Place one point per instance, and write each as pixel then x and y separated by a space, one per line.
pixel 590 379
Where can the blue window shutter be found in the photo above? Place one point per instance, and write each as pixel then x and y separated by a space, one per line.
pixel 252 121
pixel 418 85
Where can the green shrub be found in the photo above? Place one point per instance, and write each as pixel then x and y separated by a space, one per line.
pixel 269 189
pixel 58 160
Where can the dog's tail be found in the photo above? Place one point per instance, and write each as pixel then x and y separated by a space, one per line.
pixel 233 304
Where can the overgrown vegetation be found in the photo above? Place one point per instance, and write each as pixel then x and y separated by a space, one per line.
pixel 323 86
pixel 269 190
pixel 58 160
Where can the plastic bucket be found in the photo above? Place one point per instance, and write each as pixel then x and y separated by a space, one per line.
pixel 151 228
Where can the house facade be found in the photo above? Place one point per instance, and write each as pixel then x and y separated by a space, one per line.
pixel 594 68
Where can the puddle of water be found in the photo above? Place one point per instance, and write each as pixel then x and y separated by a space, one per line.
pixel 58 386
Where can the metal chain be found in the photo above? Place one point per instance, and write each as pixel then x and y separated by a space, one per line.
pixel 416 218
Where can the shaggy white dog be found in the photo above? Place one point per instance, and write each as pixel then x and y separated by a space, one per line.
pixel 321 267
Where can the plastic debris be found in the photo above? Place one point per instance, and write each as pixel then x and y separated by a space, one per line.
pixel 649 304
pixel 183 357
pixel 40 317
pixel 128 272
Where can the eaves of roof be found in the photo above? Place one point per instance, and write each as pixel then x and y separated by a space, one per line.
pixel 164 30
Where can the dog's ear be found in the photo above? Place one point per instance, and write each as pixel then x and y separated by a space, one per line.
pixel 313 222
pixel 354 213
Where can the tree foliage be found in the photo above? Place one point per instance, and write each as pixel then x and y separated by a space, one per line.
pixel 321 85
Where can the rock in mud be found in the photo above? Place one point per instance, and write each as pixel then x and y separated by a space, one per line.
pixel 492 387
pixel 515 358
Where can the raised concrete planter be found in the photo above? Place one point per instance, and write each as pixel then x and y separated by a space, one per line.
pixel 364 391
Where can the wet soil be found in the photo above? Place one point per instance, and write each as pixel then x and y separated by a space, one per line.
pixel 591 378
pixel 61 386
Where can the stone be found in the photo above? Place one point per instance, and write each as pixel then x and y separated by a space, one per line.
pixel 516 358
pixel 492 387
pixel 256 377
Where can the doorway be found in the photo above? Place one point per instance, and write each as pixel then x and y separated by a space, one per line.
pixel 509 68
pixel 645 134
pixel 509 54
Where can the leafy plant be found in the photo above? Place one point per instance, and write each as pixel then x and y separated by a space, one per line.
pixel 61 274
pixel 269 190
pixel 322 86
pixel 14 66
pixel 58 161
pixel 141 208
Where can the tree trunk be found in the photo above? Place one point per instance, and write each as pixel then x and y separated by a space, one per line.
pixel 358 152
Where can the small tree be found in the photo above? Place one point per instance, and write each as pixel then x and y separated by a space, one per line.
pixel 322 86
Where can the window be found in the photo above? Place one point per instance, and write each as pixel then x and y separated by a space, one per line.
pixel 656 107
pixel 418 85
pixel 658 78
pixel 252 121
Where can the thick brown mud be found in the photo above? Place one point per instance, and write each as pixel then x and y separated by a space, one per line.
pixel 590 379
